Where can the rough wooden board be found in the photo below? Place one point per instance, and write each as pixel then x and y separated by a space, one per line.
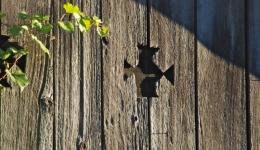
pixel 67 98
pixel 255 114
pixel 91 82
pixel 254 70
pixel 77 72
pixel 221 75
pixel 46 102
pixel 66 85
pixel 173 113
pixel 19 117
pixel 127 22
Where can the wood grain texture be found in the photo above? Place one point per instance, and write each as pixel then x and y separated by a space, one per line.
pixel 221 75
pixel 127 22
pixel 21 125
pixel 46 102
pixel 77 73
pixel 79 98
pixel 91 81
pixel 255 115
pixel 254 70
pixel 173 112
pixel 66 85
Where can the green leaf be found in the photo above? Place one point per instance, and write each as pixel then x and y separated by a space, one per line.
pixel 87 23
pixel 5 54
pixel 19 78
pixel 97 21
pixel 10 52
pixel 68 26
pixel 15 30
pixel 103 31
pixel 41 17
pixel 73 9
pixel 46 28
pixel 25 27
pixel 42 46
pixel 2 15
pixel 70 9
pixel 36 24
pixel 82 27
pixel 77 16
pixel 23 15
pixel 14 50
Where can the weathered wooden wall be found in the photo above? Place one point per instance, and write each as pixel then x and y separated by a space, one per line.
pixel 79 99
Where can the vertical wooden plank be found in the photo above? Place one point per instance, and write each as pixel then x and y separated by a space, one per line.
pixel 77 80
pixel 46 103
pixel 173 112
pixel 125 116
pixel 255 113
pixel 20 112
pixel 91 82
pixel 221 75
pixel 254 70
pixel 66 85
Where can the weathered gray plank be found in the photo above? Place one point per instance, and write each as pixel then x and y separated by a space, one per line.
pixel 173 113
pixel 66 85
pixel 255 114
pixel 125 116
pixel 21 115
pixel 46 103
pixel 91 81
pixel 77 80
pixel 221 75
pixel 254 70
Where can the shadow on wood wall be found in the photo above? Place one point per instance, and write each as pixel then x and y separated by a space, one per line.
pixel 224 30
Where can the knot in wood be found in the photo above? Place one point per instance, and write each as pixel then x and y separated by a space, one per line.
pixel 83 145
pixel 134 120
pixel 46 104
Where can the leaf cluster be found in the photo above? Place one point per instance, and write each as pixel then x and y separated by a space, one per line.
pixel 33 27
pixel 82 21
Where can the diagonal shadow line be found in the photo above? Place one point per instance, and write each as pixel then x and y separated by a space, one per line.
pixel 220 28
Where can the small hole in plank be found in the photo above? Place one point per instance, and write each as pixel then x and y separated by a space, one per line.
pixel 112 121
pixel 83 146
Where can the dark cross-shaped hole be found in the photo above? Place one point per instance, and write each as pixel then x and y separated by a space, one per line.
pixel 147 73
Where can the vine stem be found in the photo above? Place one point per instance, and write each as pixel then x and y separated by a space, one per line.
pixel 62 17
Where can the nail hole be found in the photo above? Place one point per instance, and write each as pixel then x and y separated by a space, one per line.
pixel 112 121
pixel 106 122
pixel 134 119
pixel 125 77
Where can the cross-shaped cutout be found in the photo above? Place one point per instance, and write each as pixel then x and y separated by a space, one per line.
pixel 147 73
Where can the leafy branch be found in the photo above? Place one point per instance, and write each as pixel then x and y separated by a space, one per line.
pixel 31 27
